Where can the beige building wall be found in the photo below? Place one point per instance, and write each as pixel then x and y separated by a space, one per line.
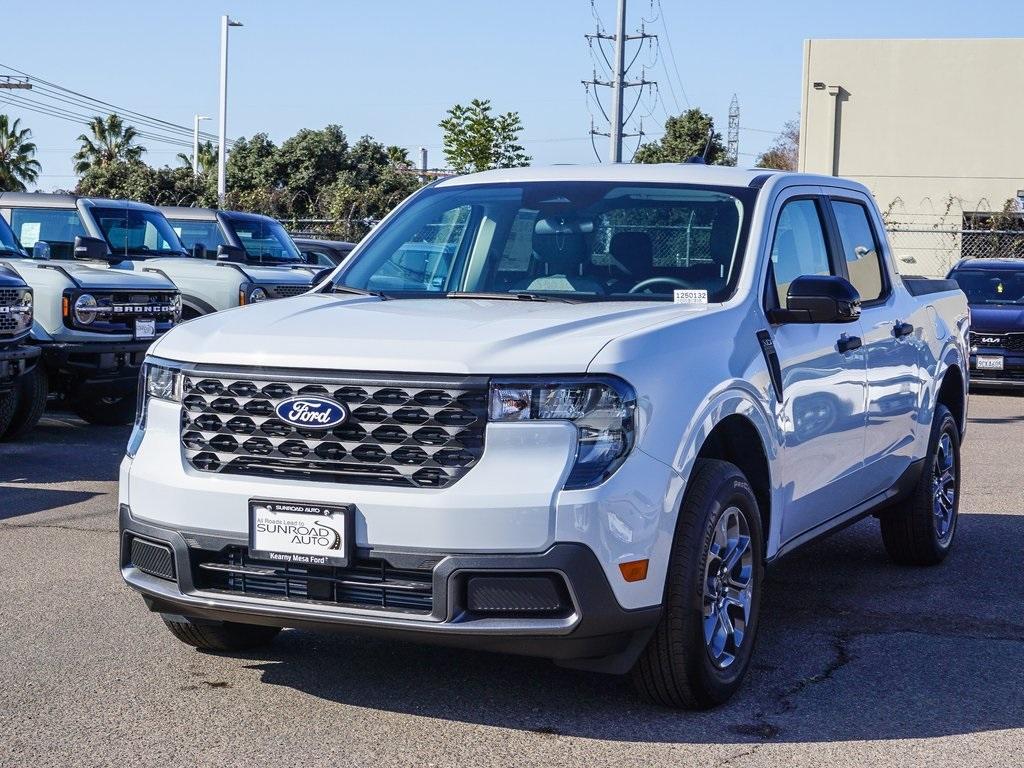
pixel 934 128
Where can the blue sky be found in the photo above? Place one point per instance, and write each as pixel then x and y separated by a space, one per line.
pixel 391 69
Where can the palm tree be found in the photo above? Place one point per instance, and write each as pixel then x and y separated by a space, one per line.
pixel 111 142
pixel 17 163
pixel 207 157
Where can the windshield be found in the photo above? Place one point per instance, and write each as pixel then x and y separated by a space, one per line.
pixel 140 233
pixel 8 243
pixel 992 286
pixel 582 241
pixel 265 241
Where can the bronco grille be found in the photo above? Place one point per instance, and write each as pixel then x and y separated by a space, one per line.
pixel 401 432
pixel 287 291
pixel 1011 342
pixel 15 319
pixel 117 311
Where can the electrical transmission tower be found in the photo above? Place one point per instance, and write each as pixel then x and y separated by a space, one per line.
pixel 618 83
pixel 732 152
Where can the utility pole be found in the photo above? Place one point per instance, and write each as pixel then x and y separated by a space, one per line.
pixel 732 152
pixel 195 144
pixel 8 83
pixel 618 84
pixel 222 150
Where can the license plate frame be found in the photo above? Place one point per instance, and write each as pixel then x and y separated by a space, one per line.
pixel 299 536
pixel 989 362
pixel 145 328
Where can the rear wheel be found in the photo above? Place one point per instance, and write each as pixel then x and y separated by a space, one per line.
pixel 107 410
pixel 221 636
pixel 701 648
pixel 30 397
pixel 920 530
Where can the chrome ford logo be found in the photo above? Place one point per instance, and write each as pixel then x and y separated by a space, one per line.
pixel 312 412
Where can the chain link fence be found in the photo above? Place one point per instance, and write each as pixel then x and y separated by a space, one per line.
pixel 933 252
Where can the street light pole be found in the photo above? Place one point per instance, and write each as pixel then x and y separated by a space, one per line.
pixel 195 144
pixel 222 180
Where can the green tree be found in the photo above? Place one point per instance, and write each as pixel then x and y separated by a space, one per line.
pixel 784 153
pixel 111 141
pixel 309 161
pixel 686 135
pixel 207 158
pixel 476 140
pixel 251 164
pixel 18 165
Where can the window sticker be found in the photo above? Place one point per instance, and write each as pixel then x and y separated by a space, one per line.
pixel 687 296
pixel 29 234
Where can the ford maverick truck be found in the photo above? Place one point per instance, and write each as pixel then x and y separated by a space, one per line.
pixel 995 294
pixel 569 412
pixel 91 324
pixel 135 236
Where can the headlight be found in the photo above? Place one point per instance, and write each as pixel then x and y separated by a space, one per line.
pixel 602 408
pixel 257 294
pixel 85 309
pixel 176 307
pixel 155 381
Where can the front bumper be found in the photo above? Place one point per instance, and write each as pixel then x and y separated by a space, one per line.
pixel 1012 375
pixel 593 631
pixel 15 362
pixel 112 367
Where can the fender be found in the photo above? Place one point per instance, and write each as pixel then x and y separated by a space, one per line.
pixel 188 301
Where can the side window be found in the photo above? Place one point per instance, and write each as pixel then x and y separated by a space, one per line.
pixel 860 247
pixel 799 247
pixel 191 232
pixel 57 227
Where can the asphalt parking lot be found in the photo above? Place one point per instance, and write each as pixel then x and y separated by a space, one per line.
pixel 860 662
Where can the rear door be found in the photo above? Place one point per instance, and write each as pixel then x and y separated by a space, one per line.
pixel 821 416
pixel 893 346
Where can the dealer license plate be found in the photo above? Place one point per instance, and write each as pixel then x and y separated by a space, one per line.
pixel 989 363
pixel 296 532
pixel 145 328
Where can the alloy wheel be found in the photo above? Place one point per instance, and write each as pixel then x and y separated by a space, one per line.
pixel 728 587
pixel 944 489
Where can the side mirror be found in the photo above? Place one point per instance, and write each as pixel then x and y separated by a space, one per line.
pixel 199 251
pixel 41 250
pixel 92 249
pixel 322 275
pixel 231 253
pixel 819 299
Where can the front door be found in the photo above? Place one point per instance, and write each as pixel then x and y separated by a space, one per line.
pixel 822 414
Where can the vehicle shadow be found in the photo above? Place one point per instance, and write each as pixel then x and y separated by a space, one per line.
pixel 63 448
pixel 852 648
pixel 16 502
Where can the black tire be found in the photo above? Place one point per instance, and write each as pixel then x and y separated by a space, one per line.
pixel 8 404
pixel 30 401
pixel 108 411
pixel 223 636
pixel 910 531
pixel 676 669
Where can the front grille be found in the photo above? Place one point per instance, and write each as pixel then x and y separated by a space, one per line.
pixel 287 291
pixel 1010 342
pixel 402 432
pixel 364 584
pixel 117 311
pixel 154 559
pixel 15 319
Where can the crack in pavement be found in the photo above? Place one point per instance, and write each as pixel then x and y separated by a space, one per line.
pixel 16 526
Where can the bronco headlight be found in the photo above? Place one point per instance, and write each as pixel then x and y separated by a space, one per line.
pixel 86 309
pixel 602 408
pixel 176 308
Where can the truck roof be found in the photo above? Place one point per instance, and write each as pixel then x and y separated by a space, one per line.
pixel 66 200
pixel 994 262
pixel 208 214
pixel 671 173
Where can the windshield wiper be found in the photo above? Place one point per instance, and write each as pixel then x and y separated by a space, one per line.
pixel 511 296
pixel 357 291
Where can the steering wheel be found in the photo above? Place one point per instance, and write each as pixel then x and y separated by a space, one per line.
pixel 674 281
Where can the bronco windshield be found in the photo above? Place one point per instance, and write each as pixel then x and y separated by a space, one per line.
pixel 991 286
pixel 575 241
pixel 138 233
pixel 265 241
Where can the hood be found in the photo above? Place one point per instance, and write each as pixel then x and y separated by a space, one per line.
pixel 1005 318
pixel 456 336
pixel 97 277
pixel 264 275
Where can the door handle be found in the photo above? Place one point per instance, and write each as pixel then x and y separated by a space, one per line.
pixel 902 329
pixel 848 343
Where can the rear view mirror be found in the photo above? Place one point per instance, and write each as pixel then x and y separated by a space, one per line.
pixel 41 250
pixel 199 251
pixel 819 299
pixel 230 253
pixel 93 249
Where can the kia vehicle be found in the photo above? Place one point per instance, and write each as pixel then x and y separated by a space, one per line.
pixel 92 324
pixel 995 293
pixel 324 253
pixel 17 357
pixel 568 412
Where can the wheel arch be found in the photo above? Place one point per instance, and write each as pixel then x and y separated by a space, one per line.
pixel 195 305
pixel 952 393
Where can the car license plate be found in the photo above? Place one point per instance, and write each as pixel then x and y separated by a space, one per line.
pixel 145 328
pixel 296 532
pixel 989 363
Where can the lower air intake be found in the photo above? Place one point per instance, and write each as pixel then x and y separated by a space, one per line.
pixel 154 559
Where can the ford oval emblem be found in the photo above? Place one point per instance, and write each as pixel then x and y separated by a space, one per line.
pixel 311 412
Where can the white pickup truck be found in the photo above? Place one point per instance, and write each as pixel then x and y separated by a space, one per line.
pixel 566 412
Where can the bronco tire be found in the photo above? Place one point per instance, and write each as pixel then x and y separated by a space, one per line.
pixel 700 651
pixel 30 401
pixel 111 411
pixel 8 403
pixel 920 530
pixel 222 636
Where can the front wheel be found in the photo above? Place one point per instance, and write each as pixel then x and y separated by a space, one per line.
pixel 701 648
pixel 109 410
pixel 30 395
pixel 920 530
pixel 221 636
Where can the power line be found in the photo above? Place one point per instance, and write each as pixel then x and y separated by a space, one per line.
pixel 672 53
